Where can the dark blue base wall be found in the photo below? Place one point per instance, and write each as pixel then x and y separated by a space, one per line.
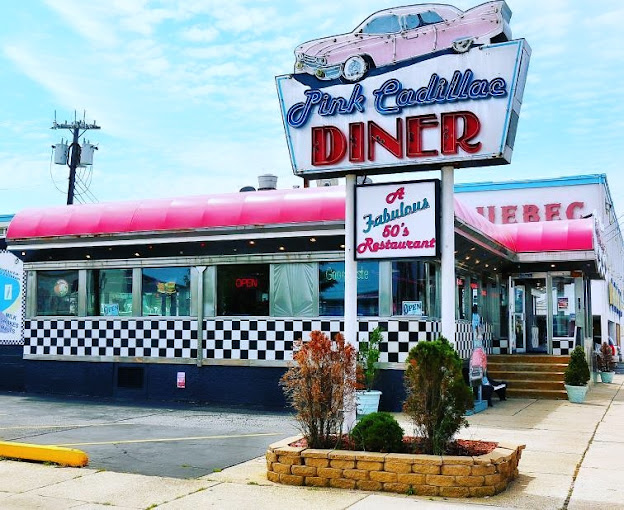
pixel 390 383
pixel 215 384
pixel 12 369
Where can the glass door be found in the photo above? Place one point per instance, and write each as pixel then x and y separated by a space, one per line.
pixel 518 318
pixel 528 317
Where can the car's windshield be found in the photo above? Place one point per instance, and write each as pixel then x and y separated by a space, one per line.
pixel 388 24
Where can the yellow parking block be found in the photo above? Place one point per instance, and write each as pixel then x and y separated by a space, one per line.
pixel 43 453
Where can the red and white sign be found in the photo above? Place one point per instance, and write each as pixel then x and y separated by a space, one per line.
pixel 456 109
pixel 398 220
pixel 181 380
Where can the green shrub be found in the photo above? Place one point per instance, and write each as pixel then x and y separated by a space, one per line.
pixel 378 432
pixel 437 396
pixel 577 373
pixel 368 359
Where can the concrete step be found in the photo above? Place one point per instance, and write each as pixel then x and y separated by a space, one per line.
pixel 538 394
pixel 535 385
pixel 518 375
pixel 528 358
pixel 526 367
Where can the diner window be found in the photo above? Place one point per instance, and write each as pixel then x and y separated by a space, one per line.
pixel 57 292
pixel 166 291
pixel 109 292
pixel 332 288
pixel 243 289
pixel 564 315
pixel 409 289
pixel 294 290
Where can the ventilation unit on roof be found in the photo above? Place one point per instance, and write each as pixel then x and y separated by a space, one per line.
pixel 267 181
pixel 326 182
pixel 246 188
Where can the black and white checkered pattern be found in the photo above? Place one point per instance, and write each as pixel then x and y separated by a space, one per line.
pixel 500 346
pixel 261 338
pixel 110 338
pixel 463 338
pixel 562 346
pixel 401 336
pixel 255 338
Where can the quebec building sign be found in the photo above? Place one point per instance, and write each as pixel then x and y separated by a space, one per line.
pixel 360 109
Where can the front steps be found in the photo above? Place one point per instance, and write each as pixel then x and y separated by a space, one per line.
pixel 530 375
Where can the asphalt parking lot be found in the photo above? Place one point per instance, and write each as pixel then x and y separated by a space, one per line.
pixel 181 441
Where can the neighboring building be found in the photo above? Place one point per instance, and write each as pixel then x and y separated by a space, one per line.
pixel 118 294
pixel 557 199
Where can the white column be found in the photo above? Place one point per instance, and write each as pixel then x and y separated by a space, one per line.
pixel 350 302
pixel 448 280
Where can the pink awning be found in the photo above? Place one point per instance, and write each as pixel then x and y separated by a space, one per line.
pixel 564 235
pixel 261 208
pixel 267 208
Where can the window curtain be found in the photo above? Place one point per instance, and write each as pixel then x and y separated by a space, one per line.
pixel 294 290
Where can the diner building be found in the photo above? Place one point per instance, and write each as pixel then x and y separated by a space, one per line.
pixel 202 298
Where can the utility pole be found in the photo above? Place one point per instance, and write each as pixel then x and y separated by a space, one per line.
pixel 73 159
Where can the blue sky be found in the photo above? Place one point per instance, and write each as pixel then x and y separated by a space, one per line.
pixel 185 92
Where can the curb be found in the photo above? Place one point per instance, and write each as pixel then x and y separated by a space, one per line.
pixel 44 453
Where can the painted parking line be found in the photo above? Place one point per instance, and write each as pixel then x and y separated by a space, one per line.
pixel 18 427
pixel 171 439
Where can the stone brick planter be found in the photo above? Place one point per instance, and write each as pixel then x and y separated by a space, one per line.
pixel 425 475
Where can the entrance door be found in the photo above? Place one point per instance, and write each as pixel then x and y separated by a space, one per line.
pixel 518 318
pixel 529 315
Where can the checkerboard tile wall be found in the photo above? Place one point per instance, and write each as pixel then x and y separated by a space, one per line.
pixel 500 346
pixel 111 338
pixel 401 336
pixel 562 347
pixel 225 339
pixel 261 338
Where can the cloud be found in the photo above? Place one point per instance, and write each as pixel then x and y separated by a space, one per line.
pixel 198 34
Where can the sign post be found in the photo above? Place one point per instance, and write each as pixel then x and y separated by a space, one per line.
pixel 448 255
pixel 350 305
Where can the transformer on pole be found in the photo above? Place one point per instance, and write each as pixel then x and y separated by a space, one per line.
pixel 73 155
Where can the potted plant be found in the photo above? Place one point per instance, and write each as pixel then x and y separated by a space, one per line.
pixel 576 376
pixel 606 363
pixel 367 398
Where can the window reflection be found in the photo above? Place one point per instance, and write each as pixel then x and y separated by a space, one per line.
pixel 166 291
pixel 57 292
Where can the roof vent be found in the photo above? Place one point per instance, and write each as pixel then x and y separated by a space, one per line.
pixel 326 182
pixel 246 188
pixel 267 181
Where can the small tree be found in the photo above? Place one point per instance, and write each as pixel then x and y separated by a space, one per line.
pixel 437 396
pixel 319 386
pixel 368 357
pixel 577 372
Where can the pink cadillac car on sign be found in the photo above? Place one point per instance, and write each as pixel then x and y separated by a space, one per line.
pixel 399 34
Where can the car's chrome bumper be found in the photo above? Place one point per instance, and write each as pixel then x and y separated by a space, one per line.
pixel 330 72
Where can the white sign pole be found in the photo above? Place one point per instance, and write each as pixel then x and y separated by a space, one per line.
pixel 350 302
pixel 448 255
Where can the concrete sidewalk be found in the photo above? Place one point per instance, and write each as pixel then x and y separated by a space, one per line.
pixel 573 459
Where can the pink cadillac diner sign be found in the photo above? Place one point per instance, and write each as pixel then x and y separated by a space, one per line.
pixel 397 220
pixel 410 88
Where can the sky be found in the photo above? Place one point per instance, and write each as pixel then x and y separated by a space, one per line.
pixel 184 92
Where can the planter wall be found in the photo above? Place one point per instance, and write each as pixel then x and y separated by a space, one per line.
pixel 424 475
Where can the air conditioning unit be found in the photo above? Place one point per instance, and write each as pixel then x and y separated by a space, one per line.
pixel 326 182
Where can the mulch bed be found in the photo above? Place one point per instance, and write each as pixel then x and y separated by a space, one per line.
pixel 459 447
